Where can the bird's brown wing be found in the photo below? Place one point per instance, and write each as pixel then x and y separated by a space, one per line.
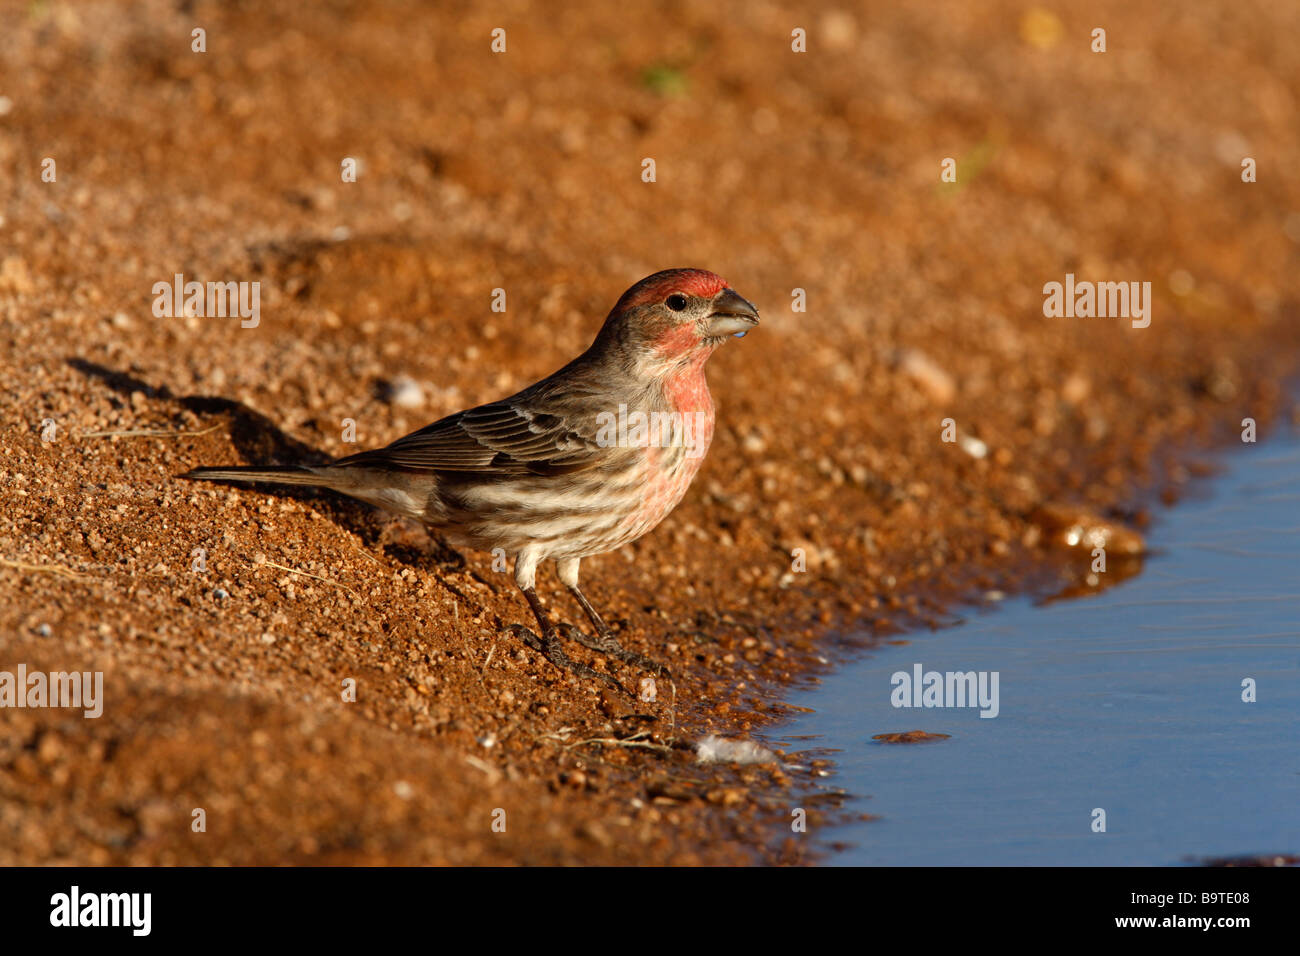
pixel 500 439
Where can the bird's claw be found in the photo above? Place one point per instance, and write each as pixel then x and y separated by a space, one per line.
pixel 608 645
pixel 551 650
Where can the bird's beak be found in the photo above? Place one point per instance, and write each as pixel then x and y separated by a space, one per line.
pixel 732 314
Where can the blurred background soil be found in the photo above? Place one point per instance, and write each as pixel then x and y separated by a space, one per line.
pixel 817 171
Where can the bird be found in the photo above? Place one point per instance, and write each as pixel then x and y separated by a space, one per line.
pixel 584 461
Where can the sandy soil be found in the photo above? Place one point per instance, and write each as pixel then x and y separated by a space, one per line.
pixel 522 170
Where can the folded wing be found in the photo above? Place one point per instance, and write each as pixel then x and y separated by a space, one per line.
pixel 504 438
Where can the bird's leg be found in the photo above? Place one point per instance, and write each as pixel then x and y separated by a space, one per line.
pixel 605 642
pixel 548 644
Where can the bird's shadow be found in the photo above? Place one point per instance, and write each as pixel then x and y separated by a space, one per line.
pixel 260 441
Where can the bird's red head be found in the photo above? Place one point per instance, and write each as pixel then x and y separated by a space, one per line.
pixel 656 288
pixel 679 314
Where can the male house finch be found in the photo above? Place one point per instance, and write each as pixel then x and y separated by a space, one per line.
pixel 544 473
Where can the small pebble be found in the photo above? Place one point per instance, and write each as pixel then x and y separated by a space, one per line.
pixel 404 392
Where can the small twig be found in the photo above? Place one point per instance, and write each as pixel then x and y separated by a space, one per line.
pixel 562 734
pixel 307 574
pixel 492 772
pixel 633 741
pixel 43 568
pixel 148 433
pixel 672 708
pixel 481 669
pixel 361 550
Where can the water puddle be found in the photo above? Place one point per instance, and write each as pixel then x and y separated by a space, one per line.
pixel 1128 701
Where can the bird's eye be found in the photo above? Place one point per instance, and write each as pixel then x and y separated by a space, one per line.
pixel 676 302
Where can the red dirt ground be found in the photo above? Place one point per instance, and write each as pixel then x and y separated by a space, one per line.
pixel 522 170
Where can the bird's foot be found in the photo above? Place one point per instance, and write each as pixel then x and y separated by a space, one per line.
pixel 549 647
pixel 608 645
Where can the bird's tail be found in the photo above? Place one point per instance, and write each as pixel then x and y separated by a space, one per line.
pixel 275 475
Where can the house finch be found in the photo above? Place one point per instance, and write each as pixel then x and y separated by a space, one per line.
pixel 583 462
